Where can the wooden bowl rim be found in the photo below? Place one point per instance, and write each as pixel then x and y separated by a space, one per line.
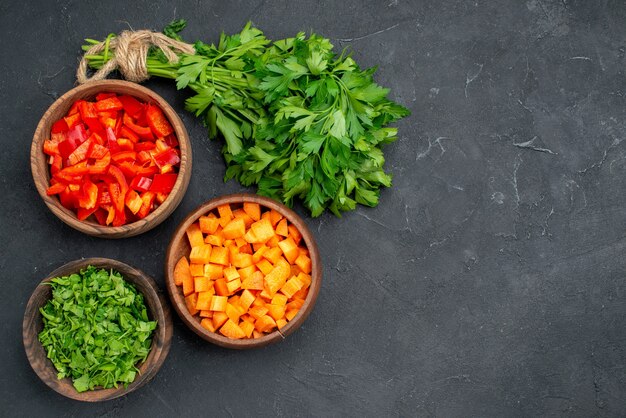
pixel 40 168
pixel 161 340
pixel 178 300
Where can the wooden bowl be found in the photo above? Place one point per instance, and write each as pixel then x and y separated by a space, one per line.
pixel 41 172
pixel 179 246
pixel 158 310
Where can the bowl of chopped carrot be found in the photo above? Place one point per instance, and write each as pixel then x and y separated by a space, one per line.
pixel 243 271
pixel 111 159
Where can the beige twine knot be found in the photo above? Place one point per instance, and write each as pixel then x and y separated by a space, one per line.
pixel 130 50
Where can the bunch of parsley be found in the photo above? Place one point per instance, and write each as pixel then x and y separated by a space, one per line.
pixel 96 329
pixel 298 121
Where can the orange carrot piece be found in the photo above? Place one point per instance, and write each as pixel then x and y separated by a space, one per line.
pixel 280 300
pixel 207 324
pixel 213 271
pixel 219 255
pixel 202 284
pixel 301 294
pixel 282 228
pixel 219 318
pixel 253 210
pixel 231 330
pixel 190 301
pixel 204 300
pixel 188 285
pixel 246 300
pixel 265 266
pixel 257 311
pixel 216 240
pixel 194 234
pixel 200 254
pixel 276 311
pixel 220 287
pixel 246 272
pixel 181 270
pixel 275 217
pixel 281 322
pixel 240 213
pixel 247 328
pixel 264 323
pixel 304 262
pixel 294 233
pixel 273 254
pixel 206 314
pixel 209 225
pixel 254 282
pixel 231 273
pixel 218 303
pixel 233 312
pixel 291 313
pixel 273 242
pixel 258 254
pixel 234 229
pixel 241 260
pixel 257 334
pixel 290 249
pixel 262 230
pixel 233 286
pixel 305 279
pixel 291 287
pixel 196 269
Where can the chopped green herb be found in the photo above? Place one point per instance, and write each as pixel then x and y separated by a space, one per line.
pixel 96 329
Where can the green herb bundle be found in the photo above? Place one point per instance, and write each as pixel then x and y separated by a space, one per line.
pixel 298 121
pixel 96 329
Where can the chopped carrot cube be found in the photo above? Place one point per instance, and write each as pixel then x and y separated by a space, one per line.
pixel 294 233
pixel 240 242
pixel 246 299
pixel 218 303
pixel 240 213
pixel 258 254
pixel 202 284
pixel 291 287
pixel 231 273
pixel 235 229
pixel 301 294
pixel 276 311
pixel 181 270
pixel 251 237
pixel 290 249
pixel 219 318
pixel 262 230
pixel 291 313
pixel 188 285
pixel 233 286
pixel 206 314
pixel 200 254
pixel 281 323
pixel 280 300
pixel 257 311
pixel 204 301
pixel 196 269
pixel 231 330
pixel 253 210
pixel 213 271
pixel 305 279
pixel 216 240
pixel 207 324
pixel 247 328
pixel 219 255
pixel 208 225
pixel 225 212
pixel 266 215
pixel 245 249
pixel 233 312
pixel 254 282
pixel 248 318
pixel 277 277
pixel 256 334
pixel 190 301
pixel 220 287
pixel 229 243
pixel 246 272
pixel 282 229
pixel 275 217
pixel 264 323
pixel 273 254
pixel 273 242
pixel 304 262
pixel 194 234
pixel 241 260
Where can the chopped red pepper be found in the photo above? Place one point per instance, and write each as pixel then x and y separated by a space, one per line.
pixel 158 122
pixel 100 147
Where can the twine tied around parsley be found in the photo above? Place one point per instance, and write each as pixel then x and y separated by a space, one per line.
pixel 129 51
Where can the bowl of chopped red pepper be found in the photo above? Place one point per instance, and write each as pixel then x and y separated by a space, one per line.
pixel 111 159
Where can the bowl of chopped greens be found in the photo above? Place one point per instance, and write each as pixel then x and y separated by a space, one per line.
pixel 96 329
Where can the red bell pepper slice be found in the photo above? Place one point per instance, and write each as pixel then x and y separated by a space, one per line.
pixel 72 120
pixel 125 144
pixel 131 105
pixel 141 183
pixel 129 168
pixel 127 133
pixel 112 103
pixel 167 157
pixel 67 199
pixel 50 148
pixel 59 126
pixel 119 178
pixel 104 96
pixel 144 157
pixel 171 140
pixel 56 188
pixel 144 146
pixel 89 197
pixel 56 163
pixel 72 172
pixel 112 141
pixel 101 166
pixel 104 197
pixel 117 198
pixel 77 134
pixel 97 151
pixel 124 156
pixel 158 122
pixel 142 132
pixel 90 116
pixel 147 199
pixel 148 171
pixel 163 183
pixel 101 216
pixel 133 201
pixel 83 214
pixel 80 153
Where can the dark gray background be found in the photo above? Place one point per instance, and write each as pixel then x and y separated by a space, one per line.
pixel 489 281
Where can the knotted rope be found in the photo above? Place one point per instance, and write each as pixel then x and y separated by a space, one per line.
pixel 130 50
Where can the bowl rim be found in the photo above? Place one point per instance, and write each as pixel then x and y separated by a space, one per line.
pixel 178 301
pixel 161 340
pixel 41 172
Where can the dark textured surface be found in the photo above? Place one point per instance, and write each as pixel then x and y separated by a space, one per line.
pixel 489 281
